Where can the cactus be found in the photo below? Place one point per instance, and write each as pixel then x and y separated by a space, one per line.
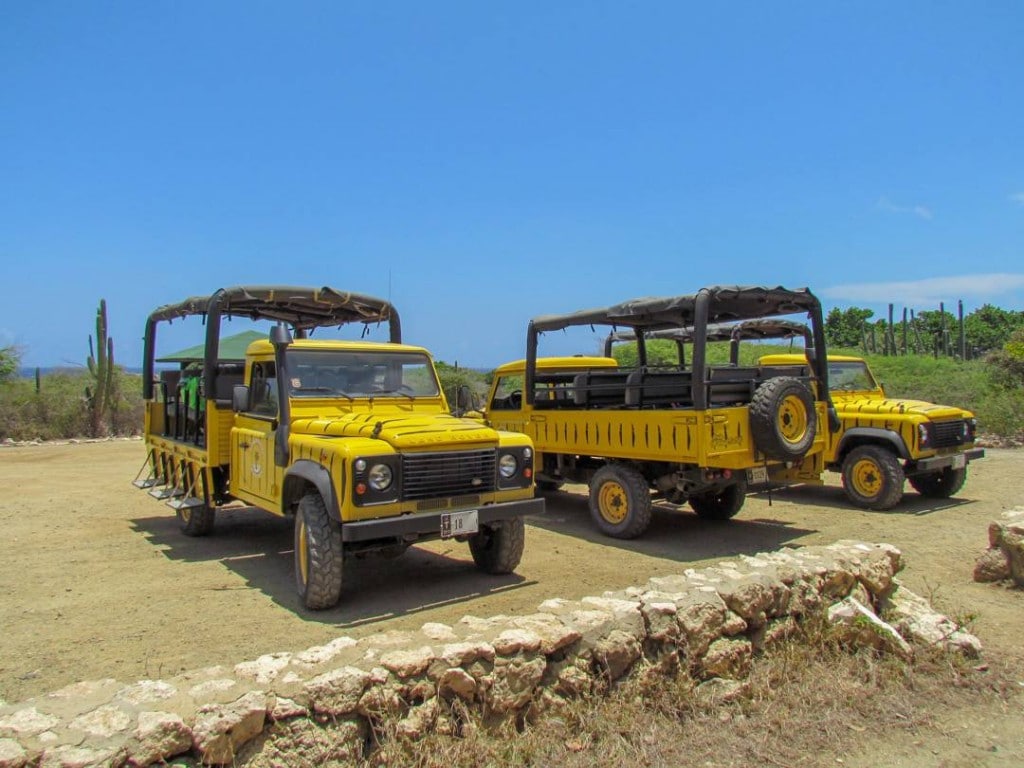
pixel 99 396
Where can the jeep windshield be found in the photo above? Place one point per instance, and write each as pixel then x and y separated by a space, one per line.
pixel 850 376
pixel 351 374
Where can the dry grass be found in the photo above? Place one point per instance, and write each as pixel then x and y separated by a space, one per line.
pixel 808 701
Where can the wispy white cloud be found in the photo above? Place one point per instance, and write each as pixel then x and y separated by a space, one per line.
pixel 923 211
pixel 1018 198
pixel 928 291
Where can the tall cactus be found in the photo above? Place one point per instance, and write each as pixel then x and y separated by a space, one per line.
pixel 98 397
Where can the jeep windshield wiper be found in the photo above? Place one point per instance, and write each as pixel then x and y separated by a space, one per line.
pixel 395 392
pixel 330 390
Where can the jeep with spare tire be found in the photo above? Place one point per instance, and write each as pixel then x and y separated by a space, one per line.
pixel 693 433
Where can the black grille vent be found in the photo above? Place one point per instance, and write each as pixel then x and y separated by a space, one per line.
pixel 947 434
pixel 433 475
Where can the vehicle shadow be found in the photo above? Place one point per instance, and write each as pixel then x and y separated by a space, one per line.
pixel 675 534
pixel 259 548
pixel 834 497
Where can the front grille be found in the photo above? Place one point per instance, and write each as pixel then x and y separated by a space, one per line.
pixel 947 434
pixel 435 475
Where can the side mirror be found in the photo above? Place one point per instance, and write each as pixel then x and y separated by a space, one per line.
pixel 240 400
pixel 279 335
pixel 465 399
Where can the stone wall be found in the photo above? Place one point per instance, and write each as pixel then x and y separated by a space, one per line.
pixel 707 623
pixel 1004 558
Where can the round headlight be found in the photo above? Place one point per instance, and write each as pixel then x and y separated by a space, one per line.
pixel 360 465
pixel 507 465
pixel 380 477
pixel 527 453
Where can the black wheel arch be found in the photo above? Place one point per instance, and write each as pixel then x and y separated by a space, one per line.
pixel 858 436
pixel 303 474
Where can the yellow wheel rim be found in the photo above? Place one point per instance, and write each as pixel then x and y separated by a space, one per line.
pixel 303 553
pixel 867 478
pixel 612 502
pixel 792 419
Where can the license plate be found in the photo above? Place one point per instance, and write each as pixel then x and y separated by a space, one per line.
pixel 459 523
pixel 959 461
pixel 757 475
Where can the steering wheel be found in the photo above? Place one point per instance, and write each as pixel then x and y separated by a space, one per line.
pixel 515 399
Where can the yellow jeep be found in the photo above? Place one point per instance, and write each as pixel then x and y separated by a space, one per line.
pixel 351 439
pixel 883 441
pixel 692 433
pixel 878 441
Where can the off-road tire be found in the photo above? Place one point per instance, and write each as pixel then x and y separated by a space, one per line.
pixel 940 484
pixel 722 504
pixel 318 554
pixel 783 421
pixel 195 521
pixel 873 477
pixel 498 547
pixel 620 501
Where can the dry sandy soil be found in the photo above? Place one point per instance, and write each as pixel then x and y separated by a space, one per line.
pixel 96 580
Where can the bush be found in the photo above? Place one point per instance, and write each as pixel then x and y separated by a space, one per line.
pixel 59 411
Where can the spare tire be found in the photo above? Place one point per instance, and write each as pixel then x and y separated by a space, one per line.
pixel 783 421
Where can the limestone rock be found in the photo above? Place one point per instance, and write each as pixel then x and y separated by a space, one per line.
pixel 554 635
pixel 265 669
pixel 337 692
pixel 27 722
pixel 408 663
pixel 457 682
pixel 321 654
pixel 69 756
pixel 221 729
pixel 461 654
pixel 419 722
pixel 617 652
pixel 860 627
pixel 104 722
pixel 727 658
pixel 12 755
pixel 159 736
pixel 146 692
pixel 513 641
pixel 992 566
pixel 915 619
pixel 514 682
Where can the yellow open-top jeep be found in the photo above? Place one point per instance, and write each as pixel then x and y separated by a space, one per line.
pixel 880 441
pixel 693 433
pixel 351 439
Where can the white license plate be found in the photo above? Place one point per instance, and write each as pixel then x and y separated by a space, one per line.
pixel 757 475
pixel 459 523
pixel 959 461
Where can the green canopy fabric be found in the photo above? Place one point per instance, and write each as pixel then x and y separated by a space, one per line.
pixel 232 348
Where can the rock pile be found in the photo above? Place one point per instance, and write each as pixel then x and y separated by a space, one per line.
pixel 1004 558
pixel 707 623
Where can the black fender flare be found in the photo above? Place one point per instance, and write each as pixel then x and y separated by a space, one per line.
pixel 307 471
pixel 861 435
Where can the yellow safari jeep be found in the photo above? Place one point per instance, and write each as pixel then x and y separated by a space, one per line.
pixel 878 441
pixel 693 433
pixel 882 440
pixel 352 440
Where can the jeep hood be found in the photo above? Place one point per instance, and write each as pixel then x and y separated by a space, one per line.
pixel 400 431
pixel 871 405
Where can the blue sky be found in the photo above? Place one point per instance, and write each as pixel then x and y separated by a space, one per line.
pixel 482 163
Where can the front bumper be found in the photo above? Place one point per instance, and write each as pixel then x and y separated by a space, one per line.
pixel 951 460
pixel 424 525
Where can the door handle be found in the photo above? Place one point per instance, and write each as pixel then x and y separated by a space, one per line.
pixel 243 446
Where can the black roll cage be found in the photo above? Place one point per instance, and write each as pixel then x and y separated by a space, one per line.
pixel 699 314
pixel 302 309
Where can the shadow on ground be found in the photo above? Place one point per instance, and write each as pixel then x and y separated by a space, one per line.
pixel 833 497
pixel 259 548
pixel 674 534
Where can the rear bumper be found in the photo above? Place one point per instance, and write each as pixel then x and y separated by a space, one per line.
pixel 426 525
pixel 952 460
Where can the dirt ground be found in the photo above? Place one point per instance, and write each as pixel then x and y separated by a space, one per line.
pixel 96 580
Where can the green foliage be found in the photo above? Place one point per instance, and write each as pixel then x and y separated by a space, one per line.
pixel 660 353
pixel 10 360
pixel 58 411
pixel 1008 363
pixel 844 328
pixel 990 328
pixel 452 377
pixel 100 396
